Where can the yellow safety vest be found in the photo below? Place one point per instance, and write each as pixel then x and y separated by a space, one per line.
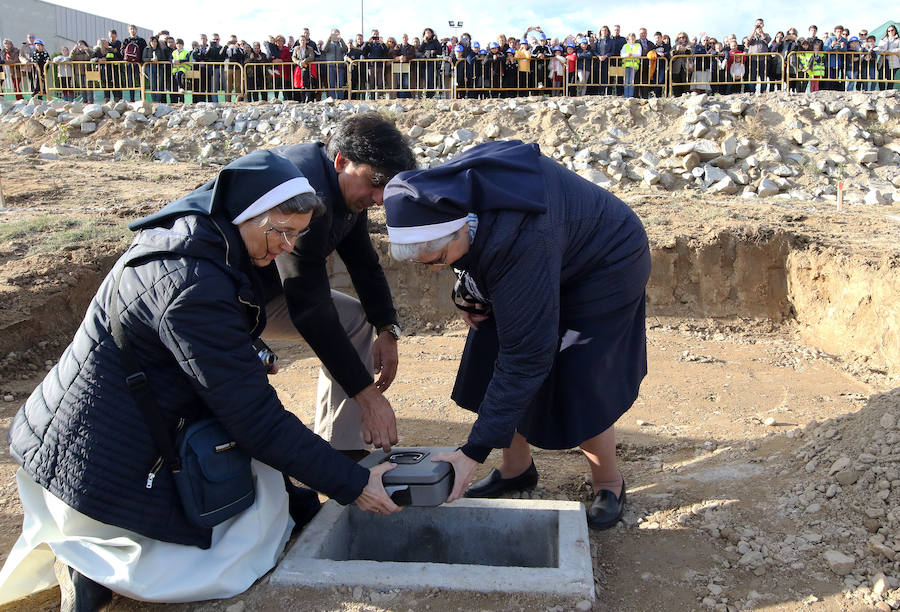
pixel 631 62
pixel 181 55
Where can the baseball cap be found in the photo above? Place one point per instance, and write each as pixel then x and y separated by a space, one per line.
pixel 584 41
pixel 458 48
pixel 476 45
pixel 39 42
pixel 494 45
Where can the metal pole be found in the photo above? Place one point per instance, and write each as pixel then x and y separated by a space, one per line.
pixel 362 29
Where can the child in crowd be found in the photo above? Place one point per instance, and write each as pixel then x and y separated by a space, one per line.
pixel 39 59
pixel 64 74
pixel 852 63
pixel 868 65
pixel 571 59
pixel 558 69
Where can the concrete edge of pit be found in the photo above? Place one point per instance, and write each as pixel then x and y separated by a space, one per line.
pixel 573 578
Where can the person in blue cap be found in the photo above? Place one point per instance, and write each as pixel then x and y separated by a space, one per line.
pixel 476 60
pixel 191 309
pixel 552 272
pixel 493 70
pixel 510 75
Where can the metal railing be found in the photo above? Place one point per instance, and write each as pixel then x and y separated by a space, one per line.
pixel 721 74
pixel 490 76
pixel 428 77
pixel 841 71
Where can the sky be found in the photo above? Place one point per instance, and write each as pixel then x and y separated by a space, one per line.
pixel 255 20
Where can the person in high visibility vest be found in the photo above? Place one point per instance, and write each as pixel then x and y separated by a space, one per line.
pixel 804 63
pixel 816 66
pixel 181 60
pixel 631 52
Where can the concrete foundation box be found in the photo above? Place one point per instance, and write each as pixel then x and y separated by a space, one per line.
pixel 505 545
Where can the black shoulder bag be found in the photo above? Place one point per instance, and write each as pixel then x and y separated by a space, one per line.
pixel 212 474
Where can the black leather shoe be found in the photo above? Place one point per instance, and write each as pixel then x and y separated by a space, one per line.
pixel 606 510
pixel 303 505
pixel 78 593
pixel 494 485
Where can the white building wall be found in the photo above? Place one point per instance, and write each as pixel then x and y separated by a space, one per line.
pixel 56 25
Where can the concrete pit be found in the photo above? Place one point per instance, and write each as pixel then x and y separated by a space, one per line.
pixel 531 546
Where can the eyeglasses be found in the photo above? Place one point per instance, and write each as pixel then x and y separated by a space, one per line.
pixel 289 237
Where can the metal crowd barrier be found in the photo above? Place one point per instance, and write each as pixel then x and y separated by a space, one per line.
pixel 391 78
pixel 841 71
pixel 192 81
pixel 623 76
pixel 15 80
pixel 483 76
pixel 494 77
pixel 714 73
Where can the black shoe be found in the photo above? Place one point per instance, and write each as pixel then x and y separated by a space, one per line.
pixel 606 510
pixel 494 485
pixel 303 505
pixel 78 593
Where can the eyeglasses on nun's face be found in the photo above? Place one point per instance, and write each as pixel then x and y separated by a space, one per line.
pixel 289 237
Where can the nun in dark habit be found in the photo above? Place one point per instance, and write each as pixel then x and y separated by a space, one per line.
pixel 191 308
pixel 551 277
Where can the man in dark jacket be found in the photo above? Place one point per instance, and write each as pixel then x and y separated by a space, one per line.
pixel 132 70
pixel 362 155
pixel 375 49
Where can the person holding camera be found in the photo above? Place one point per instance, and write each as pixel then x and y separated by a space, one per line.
pixel 376 51
pixel 334 51
pixel 756 48
pixel 183 303
pixel 551 272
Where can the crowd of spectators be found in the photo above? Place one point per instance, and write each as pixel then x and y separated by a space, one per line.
pixel 603 62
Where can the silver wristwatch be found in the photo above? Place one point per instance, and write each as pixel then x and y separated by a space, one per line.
pixel 393 329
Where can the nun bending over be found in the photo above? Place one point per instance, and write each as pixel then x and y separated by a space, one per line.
pixel 191 308
pixel 551 273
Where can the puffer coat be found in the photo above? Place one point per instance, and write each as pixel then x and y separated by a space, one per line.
pixel 190 311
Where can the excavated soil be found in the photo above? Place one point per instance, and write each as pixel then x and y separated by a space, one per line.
pixel 764 437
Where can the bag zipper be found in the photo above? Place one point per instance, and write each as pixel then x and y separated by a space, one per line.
pixel 157 466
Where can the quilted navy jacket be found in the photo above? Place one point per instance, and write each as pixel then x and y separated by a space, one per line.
pixel 190 310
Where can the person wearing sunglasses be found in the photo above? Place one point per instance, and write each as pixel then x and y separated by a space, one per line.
pixel 349 175
pixel 191 310
pixel 552 275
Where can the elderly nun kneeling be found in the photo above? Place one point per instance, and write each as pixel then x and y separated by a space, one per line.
pixel 190 305
pixel 552 273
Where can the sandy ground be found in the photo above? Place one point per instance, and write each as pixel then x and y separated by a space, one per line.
pixel 696 441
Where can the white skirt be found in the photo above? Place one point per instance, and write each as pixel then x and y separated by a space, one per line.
pixel 243 549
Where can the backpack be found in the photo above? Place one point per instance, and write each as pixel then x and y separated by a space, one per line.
pixel 132 52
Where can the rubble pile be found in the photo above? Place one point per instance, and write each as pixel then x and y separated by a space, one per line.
pixel 778 145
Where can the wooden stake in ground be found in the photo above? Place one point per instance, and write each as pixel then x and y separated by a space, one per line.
pixel 840 194
pixel 2 201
